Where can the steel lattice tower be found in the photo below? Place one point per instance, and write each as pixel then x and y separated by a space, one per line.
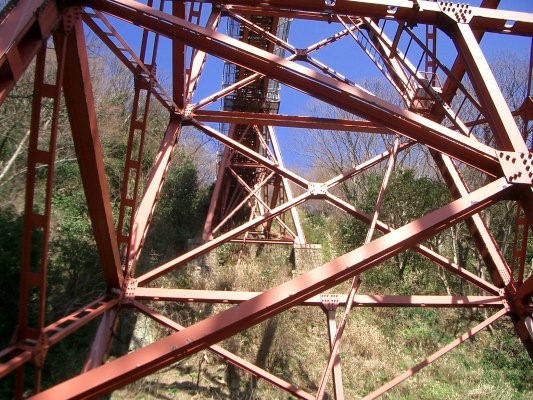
pixel 252 175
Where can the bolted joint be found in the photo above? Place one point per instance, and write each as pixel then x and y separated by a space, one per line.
pixel 145 77
pixel 317 190
pixel 300 55
pixel 188 112
pixel 517 167
pixel 128 289
pixel 460 13
pixel 513 304
pixel 505 299
pixel 40 350
pixel 330 302
pixel 71 15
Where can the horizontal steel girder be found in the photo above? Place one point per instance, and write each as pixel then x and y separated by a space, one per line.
pixel 422 11
pixel 219 296
pixel 292 121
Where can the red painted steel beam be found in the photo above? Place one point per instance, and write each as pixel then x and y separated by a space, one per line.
pixel 198 59
pixel 292 121
pixel 492 256
pixel 153 187
pixel 506 132
pixel 133 162
pixel 248 240
pixel 227 323
pixel 19 354
pixel 497 112
pixel 137 67
pixel 525 292
pixel 300 238
pixel 37 211
pixel 450 87
pixel 309 81
pixel 364 166
pixel 79 100
pixel 228 356
pixel 255 194
pixel 207 232
pixel 356 282
pixel 360 300
pixel 484 240
pixel 338 388
pixel 22 33
pixel 68 324
pixel 246 151
pixel 101 340
pixel 254 77
pixel 178 59
pixel 482 237
pixel 12 358
pixel 421 249
pixel 214 243
pixel 427 12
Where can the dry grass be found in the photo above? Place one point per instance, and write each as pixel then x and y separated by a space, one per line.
pixel 378 344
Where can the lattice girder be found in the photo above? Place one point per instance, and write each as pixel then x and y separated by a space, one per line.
pixel 254 177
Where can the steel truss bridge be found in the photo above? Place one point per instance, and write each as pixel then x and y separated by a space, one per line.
pixel 252 176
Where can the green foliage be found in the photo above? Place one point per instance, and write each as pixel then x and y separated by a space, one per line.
pixel 183 202
pixel 74 271
pixel 179 214
pixel 407 197
pixel 10 233
pixel 319 228
pixel 504 359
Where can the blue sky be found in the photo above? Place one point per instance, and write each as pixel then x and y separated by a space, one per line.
pixel 344 56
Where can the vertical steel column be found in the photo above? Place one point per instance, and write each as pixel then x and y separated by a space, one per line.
pixel 329 306
pixel 431 44
pixel 178 59
pixel 135 147
pixel 37 212
pixel 499 117
pixel 133 164
pixel 522 228
pixel 286 187
pixel 144 213
pixel 80 105
pixel 356 280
